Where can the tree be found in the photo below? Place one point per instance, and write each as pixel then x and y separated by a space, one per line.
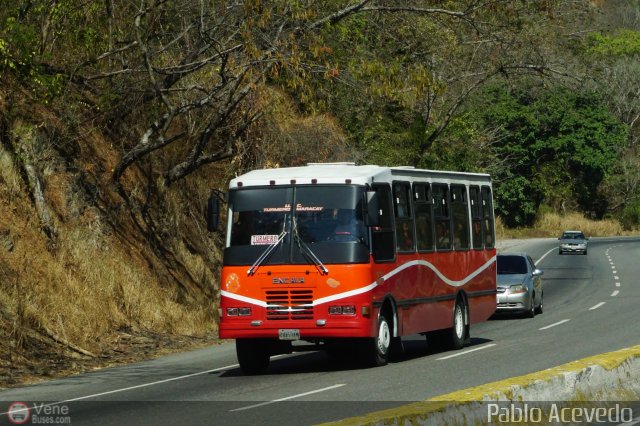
pixel 561 144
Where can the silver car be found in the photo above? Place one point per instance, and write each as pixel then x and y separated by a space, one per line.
pixel 573 242
pixel 519 284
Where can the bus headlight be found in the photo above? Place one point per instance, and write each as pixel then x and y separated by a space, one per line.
pixel 342 310
pixel 238 312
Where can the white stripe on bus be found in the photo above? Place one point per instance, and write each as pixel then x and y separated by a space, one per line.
pixel 367 288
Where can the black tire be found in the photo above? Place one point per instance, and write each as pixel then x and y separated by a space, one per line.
pixel 377 348
pixel 457 333
pixel 253 355
pixel 560 252
pixel 585 253
pixel 450 338
pixel 396 351
pixel 539 309
pixel 532 307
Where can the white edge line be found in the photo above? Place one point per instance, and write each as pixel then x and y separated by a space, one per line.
pixel 80 398
pixel 545 255
pixel 594 307
pixel 554 324
pixel 466 352
pixel 288 398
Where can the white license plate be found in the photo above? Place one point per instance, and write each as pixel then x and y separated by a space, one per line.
pixel 289 334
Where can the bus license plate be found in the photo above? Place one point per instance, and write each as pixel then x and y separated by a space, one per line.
pixel 289 334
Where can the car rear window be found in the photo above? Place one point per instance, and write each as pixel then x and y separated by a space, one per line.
pixel 573 235
pixel 512 265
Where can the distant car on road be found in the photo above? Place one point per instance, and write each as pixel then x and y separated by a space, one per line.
pixel 573 242
pixel 519 284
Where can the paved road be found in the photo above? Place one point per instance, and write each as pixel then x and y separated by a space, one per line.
pixel 590 307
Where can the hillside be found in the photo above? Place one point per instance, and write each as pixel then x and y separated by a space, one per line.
pixel 89 278
pixel 90 285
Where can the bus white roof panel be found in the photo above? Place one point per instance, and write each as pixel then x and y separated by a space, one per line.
pixel 338 173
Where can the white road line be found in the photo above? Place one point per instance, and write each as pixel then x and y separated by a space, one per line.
pixel 615 293
pixel 80 398
pixel 615 277
pixel 617 284
pixel 144 385
pixel 288 398
pixel 545 255
pixel 554 324
pixel 594 307
pixel 466 352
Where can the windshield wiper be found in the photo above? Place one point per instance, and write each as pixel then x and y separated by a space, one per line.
pixel 266 253
pixel 307 250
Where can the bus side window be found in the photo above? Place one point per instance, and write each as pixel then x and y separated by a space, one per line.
pixel 442 217
pixel 487 217
pixel 424 216
pixel 460 216
pixel 476 217
pixel 404 220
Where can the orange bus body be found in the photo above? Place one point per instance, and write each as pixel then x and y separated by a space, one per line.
pixel 423 286
pixel 383 289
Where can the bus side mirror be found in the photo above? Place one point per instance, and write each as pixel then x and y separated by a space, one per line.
pixel 372 218
pixel 213 212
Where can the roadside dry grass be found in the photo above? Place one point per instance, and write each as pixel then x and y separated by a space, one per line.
pixel 552 225
pixel 92 296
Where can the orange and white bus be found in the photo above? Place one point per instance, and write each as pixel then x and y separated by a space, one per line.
pixel 340 255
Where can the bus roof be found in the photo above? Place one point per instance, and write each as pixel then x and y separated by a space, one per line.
pixel 341 173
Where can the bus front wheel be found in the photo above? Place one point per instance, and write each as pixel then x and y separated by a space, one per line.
pixel 377 349
pixel 253 355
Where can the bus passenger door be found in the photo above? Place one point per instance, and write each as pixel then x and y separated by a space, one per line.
pixel 382 233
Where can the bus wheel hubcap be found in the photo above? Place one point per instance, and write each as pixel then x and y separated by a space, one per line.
pixel 384 337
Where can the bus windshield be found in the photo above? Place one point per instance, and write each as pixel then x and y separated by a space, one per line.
pixel 326 220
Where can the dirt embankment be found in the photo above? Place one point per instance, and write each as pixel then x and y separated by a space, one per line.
pixel 87 280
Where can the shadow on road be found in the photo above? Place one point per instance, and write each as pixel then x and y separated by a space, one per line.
pixel 413 347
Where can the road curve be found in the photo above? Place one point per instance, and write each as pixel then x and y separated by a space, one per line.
pixel 589 304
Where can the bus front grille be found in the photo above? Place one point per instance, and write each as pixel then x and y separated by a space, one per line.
pixel 289 304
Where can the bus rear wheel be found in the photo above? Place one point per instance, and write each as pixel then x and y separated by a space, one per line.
pixel 253 355
pixel 457 332
pixel 454 337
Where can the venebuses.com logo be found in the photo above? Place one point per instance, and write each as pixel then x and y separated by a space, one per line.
pixel 18 413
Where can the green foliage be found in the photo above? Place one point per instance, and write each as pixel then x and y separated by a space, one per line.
pixel 37 34
pixel 630 217
pixel 514 202
pixel 461 147
pixel 18 45
pixel 557 147
pixel 620 43
pixel 386 137
pixel 399 82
